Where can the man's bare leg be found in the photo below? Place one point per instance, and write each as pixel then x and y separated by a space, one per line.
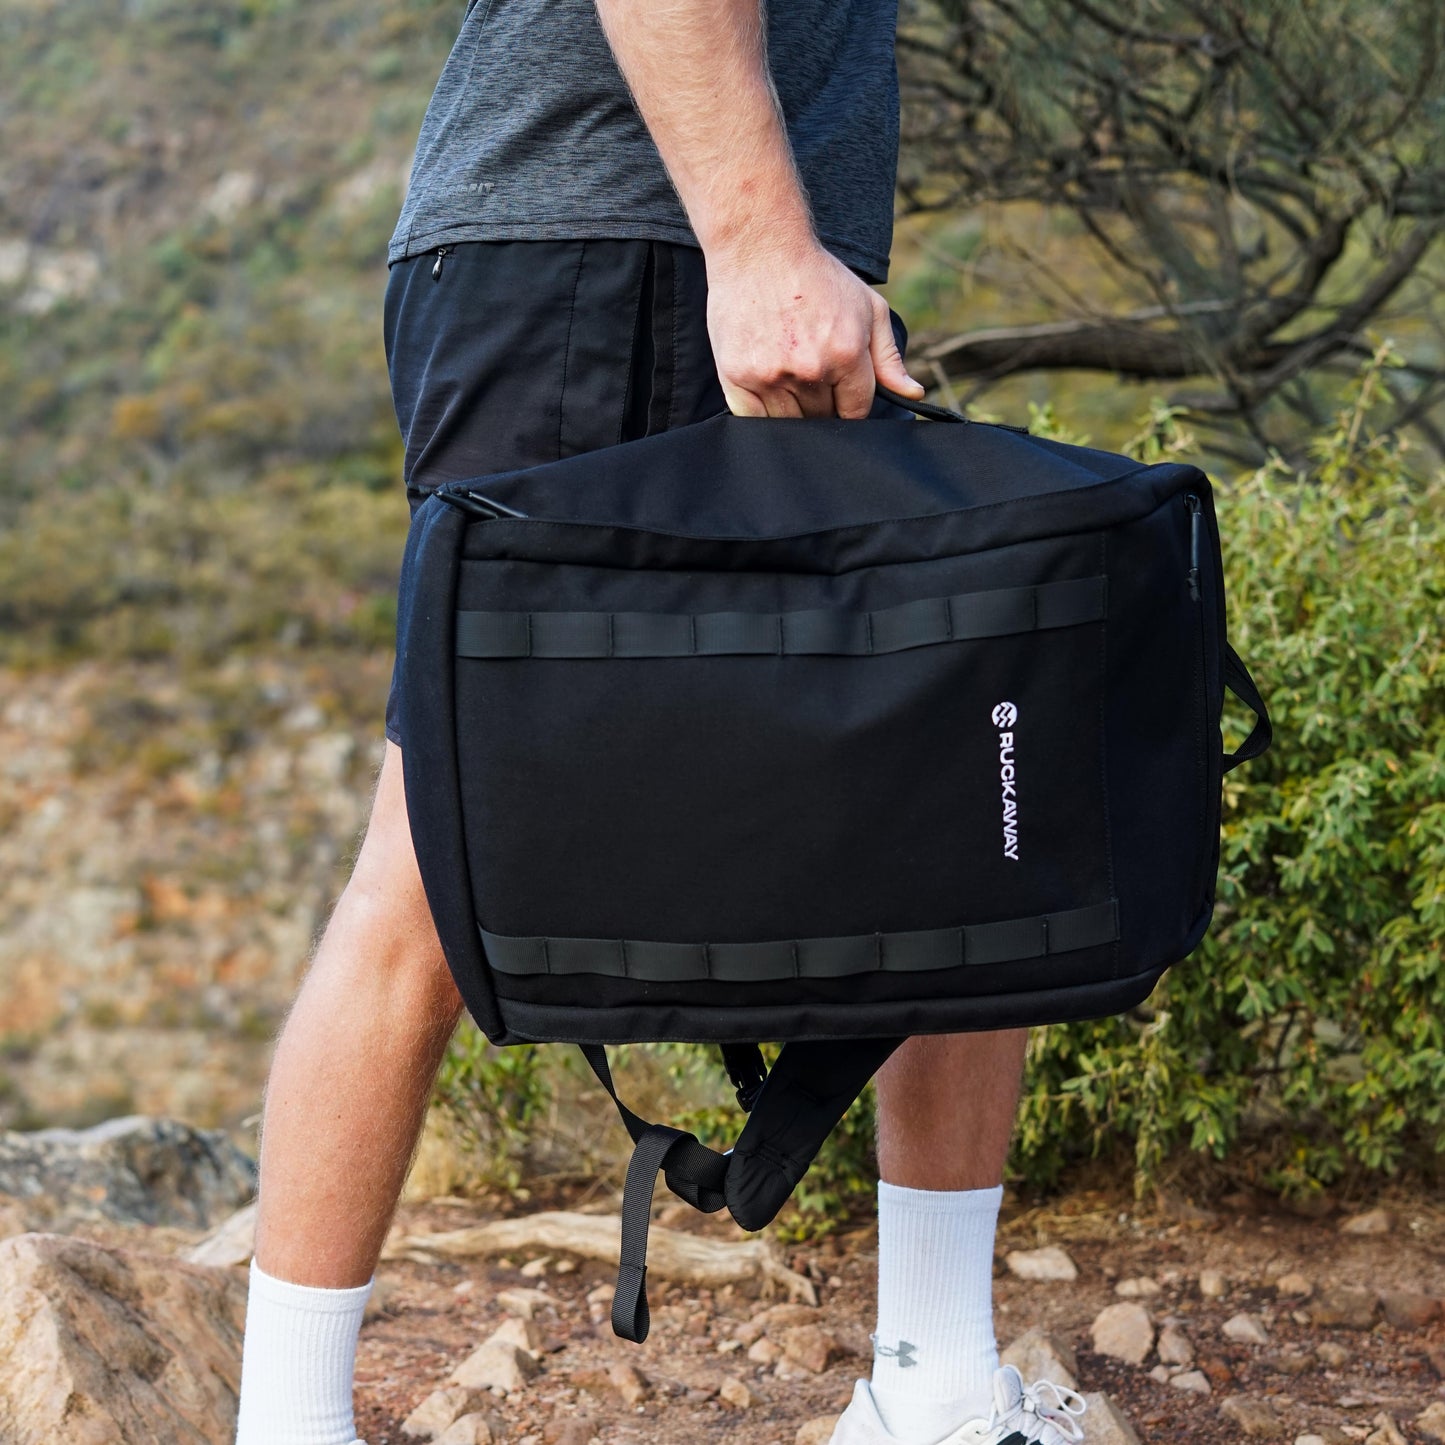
pixel 344 1107
pixel 946 1109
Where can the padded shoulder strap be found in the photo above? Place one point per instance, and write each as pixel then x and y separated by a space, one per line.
pixel 804 1096
pixel 807 1092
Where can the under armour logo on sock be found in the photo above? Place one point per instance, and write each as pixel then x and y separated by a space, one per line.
pixel 903 1352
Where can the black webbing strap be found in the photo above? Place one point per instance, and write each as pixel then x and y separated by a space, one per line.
pixel 1007 940
pixel 815 632
pixel 1241 684
pixel 694 1173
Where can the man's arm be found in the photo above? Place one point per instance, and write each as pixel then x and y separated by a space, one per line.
pixel 794 331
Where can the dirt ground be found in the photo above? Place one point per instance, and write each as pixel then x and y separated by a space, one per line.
pixel 435 1314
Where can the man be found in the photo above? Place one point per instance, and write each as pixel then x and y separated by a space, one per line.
pixel 620 220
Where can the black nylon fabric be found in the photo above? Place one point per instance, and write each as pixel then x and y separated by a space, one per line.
pixel 742 799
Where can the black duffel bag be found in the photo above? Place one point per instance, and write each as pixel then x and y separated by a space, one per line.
pixel 826 732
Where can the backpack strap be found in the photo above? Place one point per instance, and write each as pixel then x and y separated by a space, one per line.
pixel 807 1092
pixel 797 1106
pixel 694 1173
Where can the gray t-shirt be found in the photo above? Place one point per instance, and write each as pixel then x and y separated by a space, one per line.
pixel 532 134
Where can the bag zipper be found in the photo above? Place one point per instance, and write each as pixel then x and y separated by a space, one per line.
pixel 1195 508
pixel 1201 695
pixel 442 253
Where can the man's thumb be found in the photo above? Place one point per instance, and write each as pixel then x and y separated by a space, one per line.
pixel 888 365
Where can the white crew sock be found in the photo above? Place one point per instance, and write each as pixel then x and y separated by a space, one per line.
pixel 934 1353
pixel 298 1362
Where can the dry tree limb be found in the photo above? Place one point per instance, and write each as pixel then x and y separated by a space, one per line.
pixel 671 1253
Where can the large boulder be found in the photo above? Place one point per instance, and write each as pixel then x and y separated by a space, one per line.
pixel 105 1347
pixel 133 1170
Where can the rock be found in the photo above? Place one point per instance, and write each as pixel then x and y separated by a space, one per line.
pixel 1104 1423
pixel 628 1383
pixel 1294 1284
pixel 1195 1381
pixel 1161 1374
pixel 1374 1221
pixel 1387 1432
pixel 381 1300
pixel 1288 1364
pixel 810 1346
pixel 526 1302
pixel 1407 1310
pixel 1124 1332
pixel 535 1268
pixel 1050 1264
pixel 1039 1355
pixel 1212 1283
pixel 133 1170
pixel 1256 1418
pixel 230 1243
pixel 1309 1440
pixel 1333 1356
pixel 439 1410
pixel 1345 1307
pixel 1327 1435
pixel 521 1331
pixel 1140 1288
pixel 817 1431
pixel 735 1393
pixel 471 1429
pixel 1244 1329
pixel 764 1352
pixel 570 1430
pixel 1432 1421
pixel 1175 1347
pixel 495 1365
pixel 101 1345
pixel 784 1316
pixel 749 1332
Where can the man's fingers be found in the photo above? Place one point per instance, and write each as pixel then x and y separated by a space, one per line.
pixel 887 363
pixel 782 404
pixel 853 394
pixel 743 403
pixel 814 398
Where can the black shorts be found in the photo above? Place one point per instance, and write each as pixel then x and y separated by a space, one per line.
pixel 523 352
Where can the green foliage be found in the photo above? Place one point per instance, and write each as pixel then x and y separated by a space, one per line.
pixel 494 1098
pixel 1306 1038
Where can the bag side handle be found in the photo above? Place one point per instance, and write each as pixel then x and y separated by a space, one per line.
pixel 1241 684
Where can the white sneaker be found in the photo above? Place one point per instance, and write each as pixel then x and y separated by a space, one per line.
pixel 1039 1414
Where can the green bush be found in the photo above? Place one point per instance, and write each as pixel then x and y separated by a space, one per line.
pixel 1305 1040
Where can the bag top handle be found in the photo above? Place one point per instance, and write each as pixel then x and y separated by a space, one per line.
pixel 926 409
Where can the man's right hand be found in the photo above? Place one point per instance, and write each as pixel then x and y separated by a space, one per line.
pixel 796 333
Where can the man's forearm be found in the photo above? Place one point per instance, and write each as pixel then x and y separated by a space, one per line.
pixel 698 72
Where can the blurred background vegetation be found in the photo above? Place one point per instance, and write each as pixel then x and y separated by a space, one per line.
pixel 1179 226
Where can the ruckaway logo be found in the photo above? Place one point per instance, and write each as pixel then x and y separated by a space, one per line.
pixel 1005 718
